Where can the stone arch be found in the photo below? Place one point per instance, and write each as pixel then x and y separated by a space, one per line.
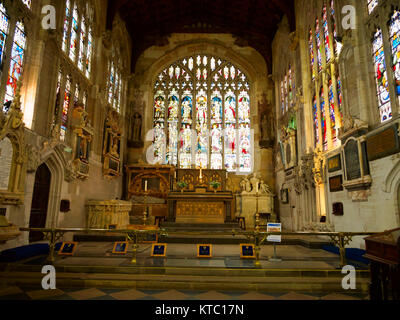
pixel 56 163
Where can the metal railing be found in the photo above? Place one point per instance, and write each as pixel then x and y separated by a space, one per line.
pixel 258 238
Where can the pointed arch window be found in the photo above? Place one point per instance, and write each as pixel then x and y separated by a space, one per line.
pixel 77 40
pixel 65 110
pixel 27 3
pixel 17 61
pixel 316 121
pixel 202 115
pixel 115 87
pixel 4 30
pixel 312 56
pixel 318 41
pixel 394 33
pixel 372 4
pixel 326 34
pixel 381 77
pixel 324 130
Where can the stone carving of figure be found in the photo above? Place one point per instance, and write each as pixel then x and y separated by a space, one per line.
pixel 265 189
pixel 137 127
pixel 264 128
pixel 255 182
pixel 245 185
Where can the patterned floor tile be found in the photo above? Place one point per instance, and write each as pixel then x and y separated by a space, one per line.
pixel 171 295
pixel 213 295
pixel 86 294
pixel 338 296
pixel 10 291
pixel 128 295
pixel 44 294
pixel 255 296
pixel 297 296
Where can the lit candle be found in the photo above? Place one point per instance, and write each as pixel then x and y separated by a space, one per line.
pixel 201 173
pixel 145 186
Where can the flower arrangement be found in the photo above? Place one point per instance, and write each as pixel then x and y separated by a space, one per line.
pixel 182 185
pixel 215 184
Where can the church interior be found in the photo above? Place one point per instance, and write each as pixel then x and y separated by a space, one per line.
pixel 229 145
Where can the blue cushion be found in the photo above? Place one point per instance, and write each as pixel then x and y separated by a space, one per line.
pixel 26 252
pixel 351 253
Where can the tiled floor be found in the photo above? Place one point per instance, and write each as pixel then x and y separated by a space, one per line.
pixel 16 293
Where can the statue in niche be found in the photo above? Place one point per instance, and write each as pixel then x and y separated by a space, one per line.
pixel 137 127
pixel 267 133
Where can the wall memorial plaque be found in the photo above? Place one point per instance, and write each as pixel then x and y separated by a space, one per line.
pixel 383 144
pixel 334 164
pixel 352 160
pixel 336 184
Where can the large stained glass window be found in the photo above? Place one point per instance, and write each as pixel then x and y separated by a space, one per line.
pixel 323 119
pixel 326 34
pixel 315 118
pixel 17 59
pixel 4 29
pixel 66 25
pixel 336 45
pixel 371 5
pixel 394 31
pixel 65 110
pixel 202 115
pixel 318 41
pixel 312 56
pixel 332 109
pixel 77 35
pixel 381 78
pixel 114 87
pixel 73 46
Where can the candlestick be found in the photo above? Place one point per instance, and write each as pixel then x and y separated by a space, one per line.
pixel 145 186
pixel 201 173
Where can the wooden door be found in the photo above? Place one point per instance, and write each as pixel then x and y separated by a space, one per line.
pixel 40 202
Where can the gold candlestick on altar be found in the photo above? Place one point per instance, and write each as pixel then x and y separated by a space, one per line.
pixel 145 204
pixel 257 215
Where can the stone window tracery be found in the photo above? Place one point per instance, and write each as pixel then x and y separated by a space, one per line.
pixel 202 115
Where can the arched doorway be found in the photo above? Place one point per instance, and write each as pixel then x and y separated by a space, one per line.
pixel 40 202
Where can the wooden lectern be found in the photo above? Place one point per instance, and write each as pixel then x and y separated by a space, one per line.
pixel 384 252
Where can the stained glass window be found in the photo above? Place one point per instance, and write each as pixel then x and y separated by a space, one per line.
pixel 82 46
pixel 332 111
pixel 66 25
pixel 340 96
pixel 336 45
pixel 326 34
pixel 65 111
pixel 394 30
pixel 381 78
pixel 316 123
pixel 58 98
pixel 323 120
pixel 17 59
pixel 291 87
pixel 312 57
pixel 318 41
pixel 371 5
pixel 282 98
pixel 74 34
pixel 4 29
pixel 207 123
pixel 89 51
pixel 27 3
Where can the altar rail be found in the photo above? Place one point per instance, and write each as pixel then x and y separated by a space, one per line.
pixel 340 239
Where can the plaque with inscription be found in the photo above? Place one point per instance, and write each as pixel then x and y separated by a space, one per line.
pixel 334 164
pixel 383 144
pixel 352 160
pixel 336 184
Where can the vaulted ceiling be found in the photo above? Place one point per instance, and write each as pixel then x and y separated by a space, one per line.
pixel 252 22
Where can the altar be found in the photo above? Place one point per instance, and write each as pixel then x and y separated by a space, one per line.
pixel 200 196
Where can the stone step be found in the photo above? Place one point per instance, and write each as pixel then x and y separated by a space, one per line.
pixel 188 282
